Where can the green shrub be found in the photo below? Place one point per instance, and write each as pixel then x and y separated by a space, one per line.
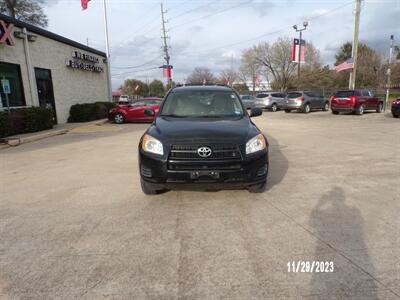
pixel 23 120
pixel 89 111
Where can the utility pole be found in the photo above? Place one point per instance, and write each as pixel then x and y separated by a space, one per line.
pixel 389 71
pixel 165 47
pixel 354 50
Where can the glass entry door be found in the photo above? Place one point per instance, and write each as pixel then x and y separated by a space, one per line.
pixel 44 86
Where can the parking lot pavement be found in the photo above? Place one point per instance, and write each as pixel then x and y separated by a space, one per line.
pixel 75 224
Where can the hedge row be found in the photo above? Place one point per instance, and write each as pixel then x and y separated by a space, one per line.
pixel 89 111
pixel 23 120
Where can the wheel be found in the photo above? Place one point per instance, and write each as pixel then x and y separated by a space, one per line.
pixel 147 188
pixel 395 116
pixel 258 188
pixel 287 110
pixel 119 118
pixel 306 108
pixel 274 108
pixel 380 108
pixel 326 107
pixel 360 110
pixel 335 112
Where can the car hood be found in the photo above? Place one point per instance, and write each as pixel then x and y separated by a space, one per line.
pixel 169 129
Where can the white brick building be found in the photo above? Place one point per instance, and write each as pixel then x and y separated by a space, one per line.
pixel 45 69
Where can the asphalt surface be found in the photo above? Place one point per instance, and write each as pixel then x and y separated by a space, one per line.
pixel 75 224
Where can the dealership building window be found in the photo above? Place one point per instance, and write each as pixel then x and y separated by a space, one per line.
pixel 12 72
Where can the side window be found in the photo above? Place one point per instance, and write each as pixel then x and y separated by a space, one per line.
pixel 309 94
pixel 139 103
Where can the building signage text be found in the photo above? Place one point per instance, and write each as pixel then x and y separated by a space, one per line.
pixel 5 33
pixel 84 62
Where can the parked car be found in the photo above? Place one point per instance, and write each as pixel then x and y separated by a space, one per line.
pixel 134 112
pixel 396 108
pixel 203 138
pixel 248 101
pixel 123 100
pixel 272 101
pixel 305 101
pixel 355 101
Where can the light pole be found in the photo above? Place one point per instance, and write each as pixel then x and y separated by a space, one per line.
pixel 300 30
pixel 389 72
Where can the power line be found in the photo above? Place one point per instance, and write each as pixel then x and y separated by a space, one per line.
pixel 266 34
pixel 141 65
pixel 135 71
pixel 212 14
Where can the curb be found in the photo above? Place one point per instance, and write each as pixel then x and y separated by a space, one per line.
pixel 13 142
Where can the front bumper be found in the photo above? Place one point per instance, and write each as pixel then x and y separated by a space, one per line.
pixel 244 173
pixel 395 109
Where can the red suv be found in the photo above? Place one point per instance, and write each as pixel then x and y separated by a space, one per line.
pixel 355 101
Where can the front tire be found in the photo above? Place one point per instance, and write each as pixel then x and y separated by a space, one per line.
pixel 326 107
pixel 360 110
pixel 380 108
pixel 287 110
pixel 147 188
pixel 395 116
pixel 274 108
pixel 335 112
pixel 119 118
pixel 306 108
pixel 258 188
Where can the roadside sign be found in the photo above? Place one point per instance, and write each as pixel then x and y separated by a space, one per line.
pixel 6 86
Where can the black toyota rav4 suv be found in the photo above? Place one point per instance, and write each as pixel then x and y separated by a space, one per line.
pixel 203 138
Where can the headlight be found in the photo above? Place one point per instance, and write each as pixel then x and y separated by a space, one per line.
pixel 152 145
pixel 255 144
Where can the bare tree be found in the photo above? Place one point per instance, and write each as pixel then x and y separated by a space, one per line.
pixel 201 76
pixel 228 76
pixel 278 61
pixel 250 66
pixel 30 11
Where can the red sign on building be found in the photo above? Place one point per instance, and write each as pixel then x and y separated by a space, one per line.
pixel 5 33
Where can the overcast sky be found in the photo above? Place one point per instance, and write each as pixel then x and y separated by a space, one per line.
pixel 214 33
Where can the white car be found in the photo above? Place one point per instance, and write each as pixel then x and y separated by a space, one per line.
pixel 124 99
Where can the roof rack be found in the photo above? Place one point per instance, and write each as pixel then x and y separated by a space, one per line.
pixel 198 84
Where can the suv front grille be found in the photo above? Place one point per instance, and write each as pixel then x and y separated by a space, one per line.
pixel 223 157
pixel 219 152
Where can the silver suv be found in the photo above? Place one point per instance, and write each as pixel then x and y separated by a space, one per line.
pixel 305 101
pixel 272 101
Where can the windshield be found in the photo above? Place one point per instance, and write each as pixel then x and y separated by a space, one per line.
pixel 202 104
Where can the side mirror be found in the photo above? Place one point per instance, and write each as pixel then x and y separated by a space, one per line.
pixel 255 112
pixel 149 112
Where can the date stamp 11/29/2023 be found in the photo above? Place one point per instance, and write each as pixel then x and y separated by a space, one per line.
pixel 301 266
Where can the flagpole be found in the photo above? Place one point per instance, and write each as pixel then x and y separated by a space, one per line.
pixel 107 51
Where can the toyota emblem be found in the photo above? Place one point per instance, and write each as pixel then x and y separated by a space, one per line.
pixel 204 152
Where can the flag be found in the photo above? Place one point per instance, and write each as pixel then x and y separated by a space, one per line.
pixel 167 71
pixel 296 50
pixel 257 79
pixel 348 64
pixel 84 4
